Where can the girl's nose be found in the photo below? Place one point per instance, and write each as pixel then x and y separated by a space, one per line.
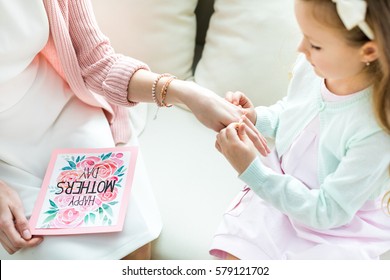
pixel 302 47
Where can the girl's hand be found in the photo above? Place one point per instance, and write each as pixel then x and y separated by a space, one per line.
pixel 240 99
pixel 255 136
pixel 14 229
pixel 236 146
pixel 217 113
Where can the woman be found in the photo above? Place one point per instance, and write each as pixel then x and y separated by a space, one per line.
pixel 63 86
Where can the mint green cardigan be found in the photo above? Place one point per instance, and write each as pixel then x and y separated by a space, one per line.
pixel 353 155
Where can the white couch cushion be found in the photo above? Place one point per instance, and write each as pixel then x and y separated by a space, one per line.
pixel 250 47
pixel 160 33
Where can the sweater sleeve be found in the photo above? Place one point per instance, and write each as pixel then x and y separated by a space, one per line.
pixel 103 71
pixel 267 118
pixel 361 175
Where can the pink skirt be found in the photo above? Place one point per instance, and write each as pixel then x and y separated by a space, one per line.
pixel 252 229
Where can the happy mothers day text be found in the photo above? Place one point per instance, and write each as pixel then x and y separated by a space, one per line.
pixel 84 189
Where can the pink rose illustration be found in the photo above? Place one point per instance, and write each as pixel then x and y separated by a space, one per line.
pixel 88 163
pixel 90 207
pixel 68 218
pixel 62 200
pixel 108 195
pixel 106 168
pixel 68 176
pixel 117 158
pixel 118 161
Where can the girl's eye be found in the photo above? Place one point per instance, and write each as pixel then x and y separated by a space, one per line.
pixel 315 47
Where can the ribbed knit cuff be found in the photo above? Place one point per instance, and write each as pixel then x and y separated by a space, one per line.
pixel 117 81
pixel 264 119
pixel 256 174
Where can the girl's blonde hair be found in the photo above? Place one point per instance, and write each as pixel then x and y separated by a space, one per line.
pixel 378 17
pixel 386 203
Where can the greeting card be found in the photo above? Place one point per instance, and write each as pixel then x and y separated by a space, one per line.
pixel 84 191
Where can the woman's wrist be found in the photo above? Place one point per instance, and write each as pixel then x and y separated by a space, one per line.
pixel 146 86
pixel 181 92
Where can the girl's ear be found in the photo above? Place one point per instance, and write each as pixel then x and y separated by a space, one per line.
pixel 369 52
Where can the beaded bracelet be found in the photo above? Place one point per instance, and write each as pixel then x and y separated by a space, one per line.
pixel 164 91
pixel 154 86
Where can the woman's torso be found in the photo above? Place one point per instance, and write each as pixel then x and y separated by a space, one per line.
pixel 38 110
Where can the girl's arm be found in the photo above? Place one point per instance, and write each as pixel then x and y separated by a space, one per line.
pixel 267 118
pixel 361 175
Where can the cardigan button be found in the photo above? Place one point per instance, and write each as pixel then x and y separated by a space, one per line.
pixel 322 107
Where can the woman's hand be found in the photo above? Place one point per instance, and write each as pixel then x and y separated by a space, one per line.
pixel 217 113
pixel 236 146
pixel 14 228
pixel 240 99
pixel 210 109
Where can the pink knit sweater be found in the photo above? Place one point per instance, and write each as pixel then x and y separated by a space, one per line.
pixel 83 56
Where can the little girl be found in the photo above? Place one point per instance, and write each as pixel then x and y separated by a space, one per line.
pixel 318 194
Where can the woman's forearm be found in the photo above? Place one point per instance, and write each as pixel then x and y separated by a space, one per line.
pixel 209 108
pixel 141 83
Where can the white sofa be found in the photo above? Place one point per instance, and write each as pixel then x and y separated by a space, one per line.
pixel 246 45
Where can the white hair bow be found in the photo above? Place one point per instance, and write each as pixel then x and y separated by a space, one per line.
pixel 353 13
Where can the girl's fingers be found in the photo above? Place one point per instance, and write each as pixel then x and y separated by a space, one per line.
pixel 258 143
pixel 258 140
pixel 218 147
pixel 235 98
